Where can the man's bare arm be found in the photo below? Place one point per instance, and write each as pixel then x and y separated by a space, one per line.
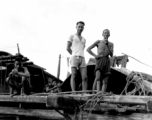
pixel 89 49
pixel 25 73
pixel 69 47
pixel 110 49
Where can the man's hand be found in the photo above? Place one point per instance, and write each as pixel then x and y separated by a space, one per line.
pixel 69 44
pixel 110 48
pixel 98 56
pixel 14 72
pixel 89 49
pixel 107 43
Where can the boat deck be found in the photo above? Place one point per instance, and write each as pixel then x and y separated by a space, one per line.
pixel 57 106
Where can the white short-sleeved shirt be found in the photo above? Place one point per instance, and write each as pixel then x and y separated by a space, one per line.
pixel 77 45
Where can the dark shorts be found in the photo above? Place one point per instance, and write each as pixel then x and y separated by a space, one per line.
pixel 16 84
pixel 103 65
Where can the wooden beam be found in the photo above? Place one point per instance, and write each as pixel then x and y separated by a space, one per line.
pixel 118 108
pixel 25 99
pixel 59 66
pixel 70 101
pixel 52 114
pixel 48 114
pixel 131 116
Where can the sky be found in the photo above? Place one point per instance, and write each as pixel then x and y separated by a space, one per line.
pixel 42 28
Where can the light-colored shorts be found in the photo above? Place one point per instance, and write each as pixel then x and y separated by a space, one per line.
pixel 77 61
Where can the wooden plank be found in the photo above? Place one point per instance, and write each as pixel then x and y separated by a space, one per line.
pixel 61 101
pixel 51 114
pixel 131 116
pixel 70 101
pixel 66 101
pixel 117 108
pixel 48 114
pixel 42 94
pixel 26 99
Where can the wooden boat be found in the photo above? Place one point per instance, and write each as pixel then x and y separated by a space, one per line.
pixel 128 95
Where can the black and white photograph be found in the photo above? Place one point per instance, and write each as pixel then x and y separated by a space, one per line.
pixel 75 60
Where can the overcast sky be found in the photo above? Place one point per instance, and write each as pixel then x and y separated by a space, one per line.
pixel 42 28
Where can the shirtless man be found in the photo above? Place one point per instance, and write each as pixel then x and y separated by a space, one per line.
pixel 102 69
pixel 18 79
pixel 75 46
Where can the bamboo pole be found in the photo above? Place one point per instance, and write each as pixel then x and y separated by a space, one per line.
pixel 18 49
pixel 38 113
pixel 59 65
pixel 68 58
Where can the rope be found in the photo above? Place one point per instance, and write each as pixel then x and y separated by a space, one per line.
pixel 138 60
pixel 137 81
pixel 94 106
pixel 93 101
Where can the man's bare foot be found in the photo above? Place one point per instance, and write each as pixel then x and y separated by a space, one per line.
pixel 16 93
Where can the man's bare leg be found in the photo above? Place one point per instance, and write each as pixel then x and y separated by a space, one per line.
pixel 22 87
pixel 96 84
pixel 105 83
pixel 94 87
pixel 73 78
pixel 83 72
pixel 14 88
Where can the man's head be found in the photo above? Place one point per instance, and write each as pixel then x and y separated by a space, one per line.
pixel 18 62
pixel 80 26
pixel 106 34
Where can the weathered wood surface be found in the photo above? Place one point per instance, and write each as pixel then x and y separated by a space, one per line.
pixel 52 114
pixel 27 99
pixel 131 116
pixel 71 101
pixel 47 114
pixel 74 101
pixel 55 100
pixel 59 100
pixel 119 108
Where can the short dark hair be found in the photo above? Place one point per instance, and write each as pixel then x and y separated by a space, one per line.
pixel 107 30
pixel 80 22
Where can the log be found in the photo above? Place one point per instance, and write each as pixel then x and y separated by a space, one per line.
pixel 72 101
pixel 47 114
pixel 122 99
pixel 52 114
pixel 133 116
pixel 107 107
pixel 25 99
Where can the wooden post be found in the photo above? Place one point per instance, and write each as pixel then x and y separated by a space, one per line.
pixel 18 49
pixel 1 77
pixel 68 58
pixel 59 64
pixel 124 61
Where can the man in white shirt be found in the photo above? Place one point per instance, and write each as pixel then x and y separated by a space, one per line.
pixel 75 46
